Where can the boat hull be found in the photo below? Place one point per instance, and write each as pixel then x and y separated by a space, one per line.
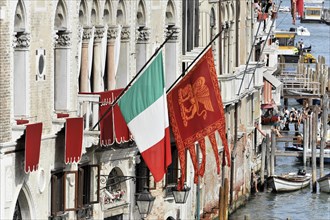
pixel 289 182
pixel 324 183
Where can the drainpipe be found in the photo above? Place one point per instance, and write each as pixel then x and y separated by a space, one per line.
pixel 232 170
pixel 220 41
pixel 237 34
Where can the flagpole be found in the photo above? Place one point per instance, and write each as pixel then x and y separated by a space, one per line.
pixel 134 78
pixel 200 54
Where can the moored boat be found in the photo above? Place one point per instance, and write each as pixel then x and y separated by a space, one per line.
pixel 312 11
pixel 290 182
pixel 324 183
pixel 284 9
pixel 303 31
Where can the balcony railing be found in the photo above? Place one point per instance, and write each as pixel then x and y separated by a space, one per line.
pixel 231 83
pixel 88 108
pixel 303 79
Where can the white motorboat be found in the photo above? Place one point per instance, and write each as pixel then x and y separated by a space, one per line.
pixel 284 9
pixel 303 31
pixel 324 183
pixel 289 182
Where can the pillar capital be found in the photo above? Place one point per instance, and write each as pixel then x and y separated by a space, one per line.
pixel 143 34
pixel 125 33
pixel 87 34
pixel 63 39
pixel 172 29
pixel 99 33
pixel 112 33
pixel 21 40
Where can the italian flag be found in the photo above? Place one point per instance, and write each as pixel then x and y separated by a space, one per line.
pixel 144 107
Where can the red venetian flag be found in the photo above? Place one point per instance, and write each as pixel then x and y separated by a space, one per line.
pixel 32 146
pixel 196 111
pixel 113 127
pixel 74 128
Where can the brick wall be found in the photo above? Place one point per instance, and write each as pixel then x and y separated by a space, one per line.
pixel 5 79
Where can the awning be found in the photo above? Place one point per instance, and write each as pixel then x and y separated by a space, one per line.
pixel 113 127
pixel 74 128
pixel 32 146
pixel 272 79
pixel 267 106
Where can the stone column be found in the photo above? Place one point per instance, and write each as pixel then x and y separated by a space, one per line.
pixel 122 75
pixel 225 53
pixel 97 72
pixel 171 59
pixel 111 68
pixel 231 46
pixel 84 60
pixel 62 71
pixel 21 79
pixel 143 36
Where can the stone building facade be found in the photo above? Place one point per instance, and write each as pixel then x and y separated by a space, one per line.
pixel 58 56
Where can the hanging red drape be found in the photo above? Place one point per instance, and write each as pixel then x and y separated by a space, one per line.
pixel 74 128
pixel 113 127
pixel 32 146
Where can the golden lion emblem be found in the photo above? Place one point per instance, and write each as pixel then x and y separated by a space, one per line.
pixel 193 96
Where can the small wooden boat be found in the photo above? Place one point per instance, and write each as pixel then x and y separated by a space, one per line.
pixel 290 182
pixel 324 183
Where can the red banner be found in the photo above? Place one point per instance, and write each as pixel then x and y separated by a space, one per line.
pixel 196 111
pixel 32 146
pixel 74 129
pixel 300 7
pixel 113 126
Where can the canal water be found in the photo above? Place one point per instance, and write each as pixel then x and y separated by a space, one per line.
pixel 301 204
pixel 298 205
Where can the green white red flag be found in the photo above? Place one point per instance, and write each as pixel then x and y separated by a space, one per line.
pixel 144 108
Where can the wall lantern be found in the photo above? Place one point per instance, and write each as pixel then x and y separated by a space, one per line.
pixel 180 196
pixel 145 201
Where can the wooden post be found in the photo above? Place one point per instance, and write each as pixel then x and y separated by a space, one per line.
pixel 314 130
pixel 226 192
pixel 263 158
pixel 268 154
pixel 221 203
pixel 310 135
pixel 272 158
pixel 325 132
pixel 305 139
pixel 285 102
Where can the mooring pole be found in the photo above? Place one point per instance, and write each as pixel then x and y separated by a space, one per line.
pixel 268 154
pixel 272 158
pixel 263 157
pixel 305 139
pixel 325 132
pixel 314 117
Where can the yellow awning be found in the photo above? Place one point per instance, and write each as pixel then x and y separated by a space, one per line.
pixel 286 35
pixel 287 48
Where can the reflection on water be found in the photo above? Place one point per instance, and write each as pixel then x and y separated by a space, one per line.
pixel 300 205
